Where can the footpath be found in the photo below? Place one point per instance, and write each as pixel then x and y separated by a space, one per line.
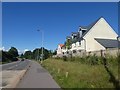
pixel 37 77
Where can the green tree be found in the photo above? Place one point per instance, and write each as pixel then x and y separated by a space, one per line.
pixel 36 53
pixel 68 43
pixel 55 52
pixel 22 56
pixel 46 53
pixel 28 55
pixel 13 52
pixel 0 55
pixel 6 57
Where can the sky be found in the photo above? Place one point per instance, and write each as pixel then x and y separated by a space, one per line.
pixel 20 22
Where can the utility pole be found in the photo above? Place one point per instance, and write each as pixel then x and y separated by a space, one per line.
pixel 42 44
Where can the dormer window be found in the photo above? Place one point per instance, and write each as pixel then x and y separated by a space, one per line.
pixel 83 31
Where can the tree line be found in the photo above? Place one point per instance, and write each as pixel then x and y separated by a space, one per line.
pixel 13 55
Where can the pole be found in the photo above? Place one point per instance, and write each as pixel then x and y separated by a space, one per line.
pixel 38 55
pixel 42 44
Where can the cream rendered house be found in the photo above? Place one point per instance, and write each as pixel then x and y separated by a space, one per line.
pixel 97 36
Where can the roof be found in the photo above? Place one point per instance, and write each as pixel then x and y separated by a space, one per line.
pixel 108 43
pixel 74 33
pixel 61 45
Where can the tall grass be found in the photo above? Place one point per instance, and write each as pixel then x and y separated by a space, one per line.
pixel 85 72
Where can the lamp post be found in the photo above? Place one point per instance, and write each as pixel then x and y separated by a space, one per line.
pixel 42 44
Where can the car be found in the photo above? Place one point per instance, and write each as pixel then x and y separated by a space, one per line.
pixel 22 60
pixel 15 59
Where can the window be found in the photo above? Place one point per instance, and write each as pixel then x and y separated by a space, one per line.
pixel 67 52
pixel 74 51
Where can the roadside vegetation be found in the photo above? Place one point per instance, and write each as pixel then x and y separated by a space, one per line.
pixel 85 72
pixel 0 56
pixel 10 55
pixel 13 55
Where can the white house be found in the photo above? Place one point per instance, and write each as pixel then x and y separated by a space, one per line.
pixel 61 49
pixel 97 36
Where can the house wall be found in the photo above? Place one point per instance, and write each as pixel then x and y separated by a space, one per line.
pixel 78 46
pixel 59 50
pixel 73 47
pixel 100 30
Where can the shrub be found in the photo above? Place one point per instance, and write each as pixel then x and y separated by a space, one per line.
pixel 65 58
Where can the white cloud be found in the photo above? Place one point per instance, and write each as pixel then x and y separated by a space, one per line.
pixel 2 48
pixel 20 52
pixel 26 50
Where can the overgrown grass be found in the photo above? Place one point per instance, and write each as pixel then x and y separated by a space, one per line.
pixel 81 75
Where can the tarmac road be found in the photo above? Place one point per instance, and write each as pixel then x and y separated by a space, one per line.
pixel 18 65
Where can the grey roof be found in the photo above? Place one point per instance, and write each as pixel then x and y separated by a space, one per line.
pixel 75 33
pixel 84 27
pixel 108 43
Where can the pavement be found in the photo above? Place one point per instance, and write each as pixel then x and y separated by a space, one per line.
pixel 37 77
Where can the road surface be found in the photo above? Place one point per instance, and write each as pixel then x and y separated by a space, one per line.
pixel 18 65
pixel 12 72
pixel 37 77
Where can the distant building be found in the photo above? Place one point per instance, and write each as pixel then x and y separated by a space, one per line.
pixel 61 49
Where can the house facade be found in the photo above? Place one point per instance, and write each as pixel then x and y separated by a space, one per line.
pixel 61 49
pixel 95 37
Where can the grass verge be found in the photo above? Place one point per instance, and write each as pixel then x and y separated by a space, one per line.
pixel 80 75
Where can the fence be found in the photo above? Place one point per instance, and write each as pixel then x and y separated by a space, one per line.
pixel 111 52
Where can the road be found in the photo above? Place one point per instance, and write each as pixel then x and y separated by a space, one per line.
pixel 37 77
pixel 11 72
pixel 18 65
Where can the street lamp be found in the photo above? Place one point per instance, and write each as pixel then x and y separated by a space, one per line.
pixel 42 44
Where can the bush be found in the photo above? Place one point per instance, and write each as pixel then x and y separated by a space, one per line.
pixel 92 59
pixel 65 58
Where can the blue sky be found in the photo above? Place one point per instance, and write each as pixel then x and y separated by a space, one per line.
pixel 57 20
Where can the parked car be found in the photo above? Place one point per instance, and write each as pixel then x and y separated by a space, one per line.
pixel 15 59
pixel 22 59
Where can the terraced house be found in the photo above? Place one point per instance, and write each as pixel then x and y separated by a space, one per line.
pixel 97 36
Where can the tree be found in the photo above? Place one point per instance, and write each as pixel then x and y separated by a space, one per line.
pixel 6 57
pixel 13 52
pixel 68 43
pixel 21 56
pixel 36 53
pixel 28 55
pixel 0 55
pixel 55 52
pixel 46 53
